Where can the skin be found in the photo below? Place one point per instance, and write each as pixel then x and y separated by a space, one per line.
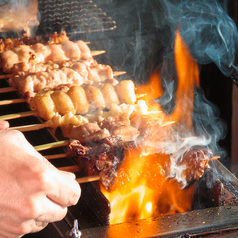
pixel 32 191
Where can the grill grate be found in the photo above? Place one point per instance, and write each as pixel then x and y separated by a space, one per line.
pixel 73 16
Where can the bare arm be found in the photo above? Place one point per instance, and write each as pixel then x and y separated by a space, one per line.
pixel 32 191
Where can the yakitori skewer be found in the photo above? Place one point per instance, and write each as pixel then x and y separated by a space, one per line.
pixel 7 90
pixel 79 100
pixel 12 89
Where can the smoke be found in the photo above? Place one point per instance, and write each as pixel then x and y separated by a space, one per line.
pixel 209 32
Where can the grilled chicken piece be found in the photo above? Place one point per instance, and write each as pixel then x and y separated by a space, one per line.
pixel 78 74
pixel 40 53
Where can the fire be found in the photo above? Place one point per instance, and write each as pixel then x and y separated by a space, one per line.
pixel 142 188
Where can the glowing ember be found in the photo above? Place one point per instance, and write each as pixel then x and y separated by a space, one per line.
pixel 145 185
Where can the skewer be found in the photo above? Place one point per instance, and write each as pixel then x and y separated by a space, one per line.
pixel 12 101
pixel 72 169
pixel 51 145
pixel 88 179
pixel 97 52
pixel 33 127
pixel 118 73
pixel 18 115
pixel 215 157
pixel 5 76
pixel 11 89
pixel 57 156
pixel 7 90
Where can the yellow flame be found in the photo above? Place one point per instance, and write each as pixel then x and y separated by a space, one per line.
pixel 141 189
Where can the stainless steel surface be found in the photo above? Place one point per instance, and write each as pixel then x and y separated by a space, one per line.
pixel 203 222
pixel 74 16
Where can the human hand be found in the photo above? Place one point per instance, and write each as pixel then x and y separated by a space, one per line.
pixel 4 125
pixel 32 191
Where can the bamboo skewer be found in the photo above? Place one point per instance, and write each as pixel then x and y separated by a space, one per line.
pixel 51 145
pixel 12 101
pixel 72 169
pixel 18 115
pixel 88 179
pixel 57 156
pixel 5 76
pixel 33 127
pixel 97 52
pixel 7 90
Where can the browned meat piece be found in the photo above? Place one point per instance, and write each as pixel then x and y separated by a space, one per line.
pixel 193 163
pixel 102 157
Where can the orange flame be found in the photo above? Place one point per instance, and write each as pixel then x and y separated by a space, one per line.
pixel 141 189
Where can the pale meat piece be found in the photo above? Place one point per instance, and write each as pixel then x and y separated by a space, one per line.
pixel 24 68
pixel 79 99
pixel 109 94
pixel 18 17
pixel 95 98
pixel 78 74
pixel 39 53
pixel 62 102
pixel 126 91
pixel 30 84
pixel 44 104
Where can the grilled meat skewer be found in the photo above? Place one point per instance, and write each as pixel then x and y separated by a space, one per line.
pixel 79 73
pixel 39 53
pixel 104 157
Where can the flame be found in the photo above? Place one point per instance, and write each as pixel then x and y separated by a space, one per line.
pixel 142 188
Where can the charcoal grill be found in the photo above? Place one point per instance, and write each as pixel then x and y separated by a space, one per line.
pixel 215 210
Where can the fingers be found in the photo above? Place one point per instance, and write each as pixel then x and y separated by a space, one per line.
pixel 63 188
pixel 53 212
pixel 4 125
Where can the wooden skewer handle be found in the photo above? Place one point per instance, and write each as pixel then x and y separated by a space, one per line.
pixel 7 90
pixel 88 179
pixel 51 145
pixel 5 76
pixel 18 115
pixel 33 127
pixel 12 101
pixel 97 52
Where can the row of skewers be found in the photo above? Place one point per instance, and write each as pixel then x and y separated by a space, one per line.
pixel 66 87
